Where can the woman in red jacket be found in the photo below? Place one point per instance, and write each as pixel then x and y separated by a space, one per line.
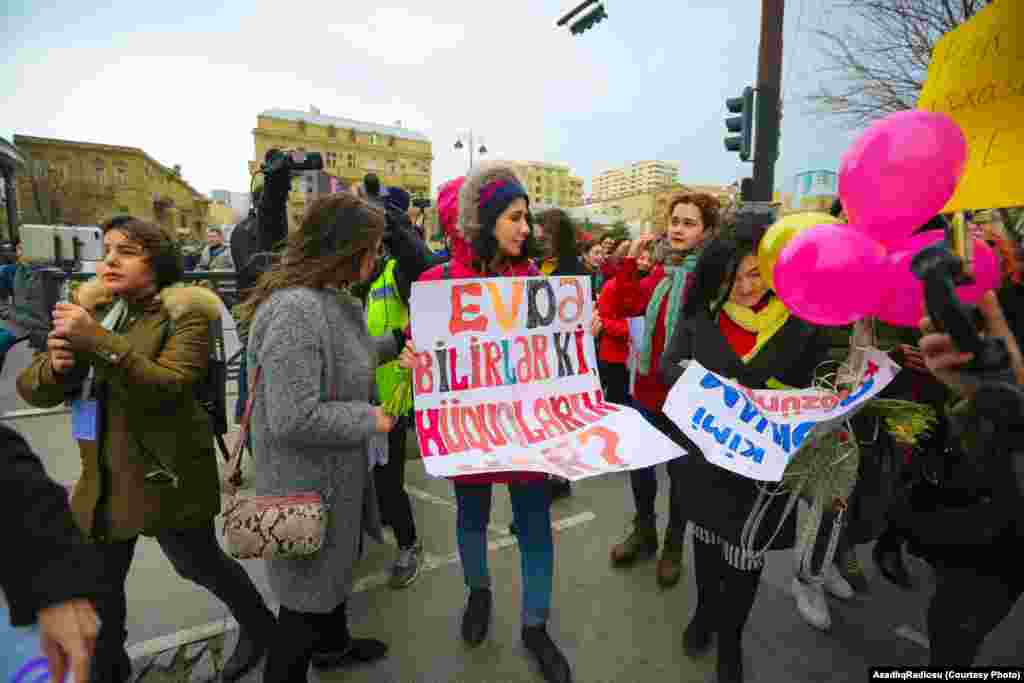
pixel 486 218
pixel 659 297
pixel 612 333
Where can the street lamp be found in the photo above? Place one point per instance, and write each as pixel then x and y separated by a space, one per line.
pixel 470 142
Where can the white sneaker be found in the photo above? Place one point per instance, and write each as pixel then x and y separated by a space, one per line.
pixel 810 603
pixel 836 585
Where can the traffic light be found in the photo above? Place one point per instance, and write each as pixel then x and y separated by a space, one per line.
pixel 595 16
pixel 742 124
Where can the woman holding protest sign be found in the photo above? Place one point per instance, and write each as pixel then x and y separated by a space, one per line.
pixel 692 218
pixel 486 218
pixel 734 326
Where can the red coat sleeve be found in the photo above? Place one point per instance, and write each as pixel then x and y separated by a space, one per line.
pixel 613 324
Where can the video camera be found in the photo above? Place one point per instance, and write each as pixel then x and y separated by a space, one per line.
pixel 999 398
pixel 291 161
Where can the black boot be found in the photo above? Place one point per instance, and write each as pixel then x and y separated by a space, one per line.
pixel 477 617
pixel 253 641
pixel 708 565
pixel 552 662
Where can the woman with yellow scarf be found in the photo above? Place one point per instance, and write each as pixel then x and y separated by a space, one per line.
pixel 733 325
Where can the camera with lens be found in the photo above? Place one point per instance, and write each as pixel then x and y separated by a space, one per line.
pixel 421 203
pixel 291 161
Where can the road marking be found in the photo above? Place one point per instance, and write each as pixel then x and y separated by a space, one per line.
pixel 449 504
pixel 910 633
pixel 431 562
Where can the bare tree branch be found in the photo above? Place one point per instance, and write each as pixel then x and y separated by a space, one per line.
pixel 877 63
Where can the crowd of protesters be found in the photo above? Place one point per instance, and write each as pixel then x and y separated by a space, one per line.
pixel 326 339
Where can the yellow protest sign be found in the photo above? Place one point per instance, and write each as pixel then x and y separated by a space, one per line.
pixel 976 76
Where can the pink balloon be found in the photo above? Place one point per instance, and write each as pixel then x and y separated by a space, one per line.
pixel 827 275
pixel 901 172
pixel 903 300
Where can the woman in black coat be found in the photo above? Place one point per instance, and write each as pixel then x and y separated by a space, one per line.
pixel 733 326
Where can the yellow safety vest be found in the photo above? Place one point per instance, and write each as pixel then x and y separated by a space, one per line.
pixel 385 312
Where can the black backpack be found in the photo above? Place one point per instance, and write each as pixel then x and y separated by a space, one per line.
pixel 211 390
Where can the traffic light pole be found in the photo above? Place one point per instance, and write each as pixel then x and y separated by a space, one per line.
pixel 769 86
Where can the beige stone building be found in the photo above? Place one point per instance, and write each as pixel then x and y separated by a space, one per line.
pixel 84 183
pixel 637 178
pixel 351 149
pixel 550 184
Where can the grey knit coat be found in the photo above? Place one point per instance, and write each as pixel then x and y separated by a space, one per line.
pixel 307 341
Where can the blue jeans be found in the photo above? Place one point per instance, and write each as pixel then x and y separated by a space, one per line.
pixel 531 511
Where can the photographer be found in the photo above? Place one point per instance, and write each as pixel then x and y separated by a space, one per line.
pixel 386 299
pixel 969 524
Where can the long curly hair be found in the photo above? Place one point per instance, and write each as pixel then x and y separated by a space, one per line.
pixel 562 232
pixel 327 249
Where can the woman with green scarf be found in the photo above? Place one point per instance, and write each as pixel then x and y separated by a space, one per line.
pixel 659 297
pixel 734 326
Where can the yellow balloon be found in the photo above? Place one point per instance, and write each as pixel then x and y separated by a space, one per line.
pixel 781 233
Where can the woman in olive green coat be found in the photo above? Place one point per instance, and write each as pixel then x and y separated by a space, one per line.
pixel 127 355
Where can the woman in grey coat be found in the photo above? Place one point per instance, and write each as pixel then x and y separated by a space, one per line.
pixel 314 426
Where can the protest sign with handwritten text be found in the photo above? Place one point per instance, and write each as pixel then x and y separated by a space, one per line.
pixel 507 381
pixel 754 433
pixel 976 77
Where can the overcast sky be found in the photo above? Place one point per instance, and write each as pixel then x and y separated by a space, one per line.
pixel 185 80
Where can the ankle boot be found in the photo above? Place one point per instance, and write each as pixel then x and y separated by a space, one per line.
pixel 477 618
pixel 553 663
pixel 670 566
pixel 642 543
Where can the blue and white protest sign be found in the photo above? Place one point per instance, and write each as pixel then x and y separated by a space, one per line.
pixel 754 433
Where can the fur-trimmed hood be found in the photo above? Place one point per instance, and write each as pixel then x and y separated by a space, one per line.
pixel 177 299
pixel 468 225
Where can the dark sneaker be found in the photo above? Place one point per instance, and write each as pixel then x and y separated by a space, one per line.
pixel 477 617
pixel 407 566
pixel 552 662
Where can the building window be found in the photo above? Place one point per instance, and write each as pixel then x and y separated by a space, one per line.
pixel 332 160
pixel 392 168
pixel 332 132
pixel 123 210
pixel 41 169
pixel 352 136
pixel 374 139
pixel 351 160
pixel 100 172
pixel 302 127
pixel 184 221
pixel 122 175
